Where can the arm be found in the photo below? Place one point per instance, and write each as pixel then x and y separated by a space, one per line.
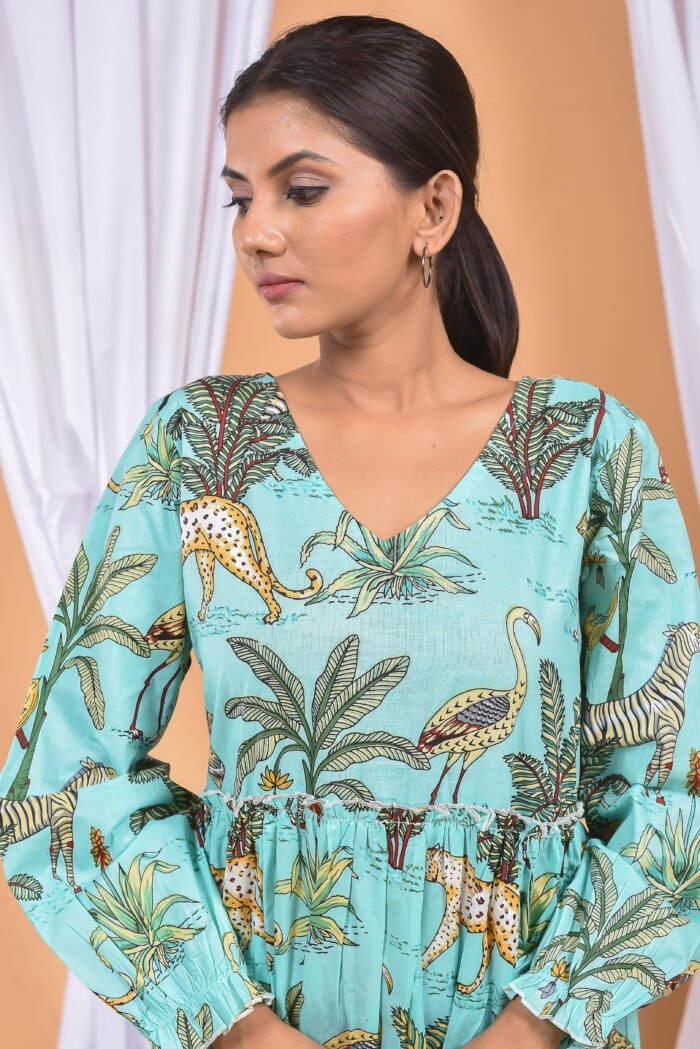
pixel 626 929
pixel 263 1029
pixel 517 1026
pixel 105 853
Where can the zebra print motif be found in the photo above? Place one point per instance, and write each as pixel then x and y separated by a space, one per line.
pixel 654 712
pixel 20 820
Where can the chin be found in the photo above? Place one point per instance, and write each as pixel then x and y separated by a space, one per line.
pixel 290 327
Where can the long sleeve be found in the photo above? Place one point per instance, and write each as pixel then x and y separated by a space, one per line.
pixel 627 925
pixel 102 849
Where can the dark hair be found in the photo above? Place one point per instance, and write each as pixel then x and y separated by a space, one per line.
pixel 402 98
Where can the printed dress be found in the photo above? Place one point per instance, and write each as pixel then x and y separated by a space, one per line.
pixel 447 767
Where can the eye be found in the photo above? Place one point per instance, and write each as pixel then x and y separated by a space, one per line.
pixel 300 194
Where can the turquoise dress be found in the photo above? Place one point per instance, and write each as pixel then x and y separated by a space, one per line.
pixel 446 768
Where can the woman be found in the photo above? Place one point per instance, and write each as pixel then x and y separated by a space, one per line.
pixel 446 623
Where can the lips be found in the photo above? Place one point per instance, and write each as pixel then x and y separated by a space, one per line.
pixel 275 278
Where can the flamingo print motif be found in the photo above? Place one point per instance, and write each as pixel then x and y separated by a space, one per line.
pixel 472 721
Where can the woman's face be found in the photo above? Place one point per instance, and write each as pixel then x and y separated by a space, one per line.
pixel 336 224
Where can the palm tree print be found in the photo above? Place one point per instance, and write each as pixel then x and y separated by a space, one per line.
pixel 238 434
pixel 545 789
pixel 537 446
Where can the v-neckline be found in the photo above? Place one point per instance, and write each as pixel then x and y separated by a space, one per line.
pixel 450 496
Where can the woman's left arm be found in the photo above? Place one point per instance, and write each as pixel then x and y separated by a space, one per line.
pixel 625 930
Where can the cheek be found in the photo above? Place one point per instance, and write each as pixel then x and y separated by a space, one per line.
pixel 355 241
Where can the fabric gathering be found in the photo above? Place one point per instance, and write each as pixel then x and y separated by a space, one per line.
pixel 446 767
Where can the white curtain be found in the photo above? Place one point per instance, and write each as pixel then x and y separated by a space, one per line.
pixel 665 41
pixel 116 263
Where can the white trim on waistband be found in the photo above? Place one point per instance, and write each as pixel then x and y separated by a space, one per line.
pixel 472 808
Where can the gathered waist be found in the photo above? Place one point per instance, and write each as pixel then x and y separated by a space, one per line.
pixel 397 813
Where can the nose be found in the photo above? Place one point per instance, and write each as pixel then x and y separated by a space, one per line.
pixel 260 243
pixel 257 232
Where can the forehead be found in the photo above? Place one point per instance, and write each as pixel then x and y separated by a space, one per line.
pixel 265 130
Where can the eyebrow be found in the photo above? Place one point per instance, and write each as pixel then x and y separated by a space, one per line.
pixel 280 165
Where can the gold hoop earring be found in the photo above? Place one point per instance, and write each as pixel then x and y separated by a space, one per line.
pixel 426 284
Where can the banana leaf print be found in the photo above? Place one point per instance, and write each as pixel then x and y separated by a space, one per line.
pixel 188 1035
pixel 620 515
pixel 556 868
pixel 158 478
pixel 85 628
pixel 184 802
pixel 340 700
pixel 534 910
pixel 91 693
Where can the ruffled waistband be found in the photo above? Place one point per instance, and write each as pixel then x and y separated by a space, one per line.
pixel 470 813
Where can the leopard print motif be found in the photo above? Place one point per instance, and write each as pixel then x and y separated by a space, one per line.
pixel 488 907
pixel 218 529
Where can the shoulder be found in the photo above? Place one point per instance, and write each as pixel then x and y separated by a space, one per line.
pixel 619 441
pixel 213 386
pixel 611 418
pixel 207 389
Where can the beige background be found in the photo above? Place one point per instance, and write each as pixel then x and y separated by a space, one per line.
pixel 564 192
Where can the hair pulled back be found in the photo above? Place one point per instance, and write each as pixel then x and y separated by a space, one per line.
pixel 402 98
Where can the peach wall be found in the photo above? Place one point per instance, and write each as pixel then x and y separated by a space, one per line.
pixel 564 192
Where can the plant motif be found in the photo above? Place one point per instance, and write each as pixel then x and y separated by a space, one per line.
pixel 84 628
pixel 410 1037
pixel 131 919
pixel 313 881
pixel 535 905
pixel 340 700
pixel 399 823
pixel 396 567
pixel 238 433
pixel 676 870
pixel 538 443
pixel 544 789
pixel 620 515
pixel 603 945
pixel 160 476
pixel 188 1036
pixel 185 802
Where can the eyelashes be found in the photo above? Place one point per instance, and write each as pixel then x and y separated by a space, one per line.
pixel 300 194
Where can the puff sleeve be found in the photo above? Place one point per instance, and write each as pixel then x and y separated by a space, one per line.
pixel 101 848
pixel 626 927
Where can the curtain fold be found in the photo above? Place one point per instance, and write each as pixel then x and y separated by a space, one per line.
pixel 665 42
pixel 117 263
